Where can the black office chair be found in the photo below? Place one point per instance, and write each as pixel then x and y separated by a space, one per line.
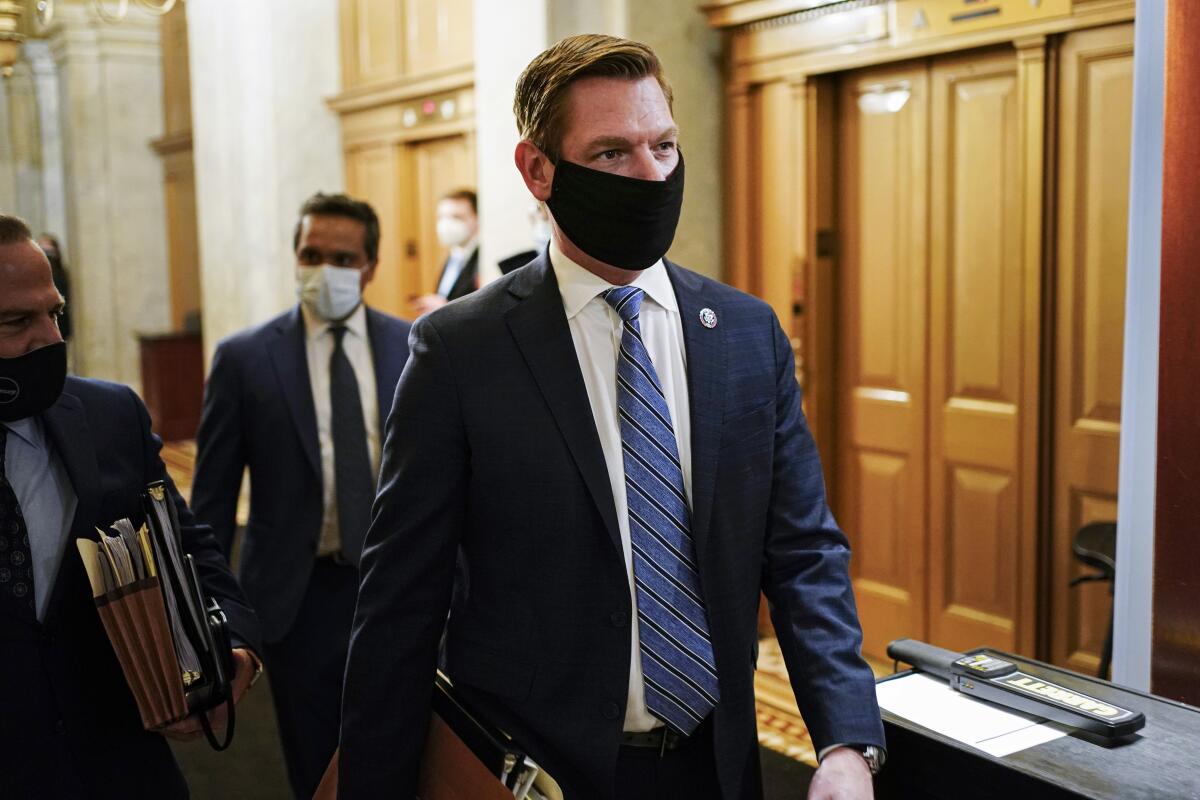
pixel 1095 546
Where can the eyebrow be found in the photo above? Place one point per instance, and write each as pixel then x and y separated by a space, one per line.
pixel 609 142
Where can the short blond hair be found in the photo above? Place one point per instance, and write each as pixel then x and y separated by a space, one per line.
pixel 540 104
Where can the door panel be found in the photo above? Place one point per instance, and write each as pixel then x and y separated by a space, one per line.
pixel 976 352
pixel 1096 91
pixel 372 42
pixel 438 166
pixel 440 34
pixel 375 173
pixel 882 333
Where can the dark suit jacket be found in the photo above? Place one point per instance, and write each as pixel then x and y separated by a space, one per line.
pixel 68 723
pixel 516 261
pixel 541 641
pixel 468 279
pixel 258 412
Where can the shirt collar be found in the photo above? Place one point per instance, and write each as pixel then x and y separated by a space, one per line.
pixel 579 287
pixel 315 327
pixel 27 430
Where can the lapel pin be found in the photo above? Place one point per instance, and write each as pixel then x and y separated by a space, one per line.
pixel 708 318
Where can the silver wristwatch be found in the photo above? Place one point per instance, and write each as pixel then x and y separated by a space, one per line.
pixel 874 756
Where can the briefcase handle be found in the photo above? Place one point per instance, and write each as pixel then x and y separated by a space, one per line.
pixel 222 650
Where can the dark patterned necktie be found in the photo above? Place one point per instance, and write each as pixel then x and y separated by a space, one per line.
pixel 677 656
pixel 16 563
pixel 353 483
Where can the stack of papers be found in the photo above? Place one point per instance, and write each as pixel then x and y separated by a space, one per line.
pixel 932 704
pixel 123 572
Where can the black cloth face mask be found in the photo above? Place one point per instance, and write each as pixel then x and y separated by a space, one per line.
pixel 626 222
pixel 31 383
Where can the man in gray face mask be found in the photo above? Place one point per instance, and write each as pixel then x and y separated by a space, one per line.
pixel 300 400
pixel 76 455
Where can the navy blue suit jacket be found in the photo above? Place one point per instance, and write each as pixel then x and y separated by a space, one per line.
pixel 69 726
pixel 491 447
pixel 259 413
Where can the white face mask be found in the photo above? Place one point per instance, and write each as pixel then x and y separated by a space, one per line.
pixel 331 293
pixel 452 231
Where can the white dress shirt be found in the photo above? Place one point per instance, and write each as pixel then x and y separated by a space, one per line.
pixel 318 346
pixel 596 331
pixel 47 500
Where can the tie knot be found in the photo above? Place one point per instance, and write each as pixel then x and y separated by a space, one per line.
pixel 339 333
pixel 626 301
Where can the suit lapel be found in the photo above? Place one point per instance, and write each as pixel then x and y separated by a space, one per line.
pixel 290 362
pixel 706 396
pixel 67 429
pixel 388 365
pixel 539 326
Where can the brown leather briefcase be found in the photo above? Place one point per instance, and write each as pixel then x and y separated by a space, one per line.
pixel 465 758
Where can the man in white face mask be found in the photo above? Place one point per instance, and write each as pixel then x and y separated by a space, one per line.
pixel 300 400
pixel 457 230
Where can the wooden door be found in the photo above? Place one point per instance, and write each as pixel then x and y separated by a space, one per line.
pixel 1095 123
pixel 376 173
pixel 403 181
pixel 438 166
pixel 882 336
pixel 980 342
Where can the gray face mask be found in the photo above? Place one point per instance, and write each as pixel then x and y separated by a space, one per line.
pixel 31 383
pixel 332 293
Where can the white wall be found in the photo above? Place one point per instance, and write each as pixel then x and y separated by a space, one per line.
pixel 1133 607
pixel 507 37
pixel 263 141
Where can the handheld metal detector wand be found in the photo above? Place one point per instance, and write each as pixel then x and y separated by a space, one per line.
pixel 1001 682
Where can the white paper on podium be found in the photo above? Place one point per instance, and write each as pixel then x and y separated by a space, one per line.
pixel 932 704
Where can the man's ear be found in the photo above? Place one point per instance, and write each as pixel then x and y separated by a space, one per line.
pixel 535 168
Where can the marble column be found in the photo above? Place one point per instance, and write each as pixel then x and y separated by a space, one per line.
pixel 24 137
pixel 263 141
pixel 110 99
pixel 509 35
pixel 44 73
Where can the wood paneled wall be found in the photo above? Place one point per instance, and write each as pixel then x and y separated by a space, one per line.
pixel 385 40
pixel 407 128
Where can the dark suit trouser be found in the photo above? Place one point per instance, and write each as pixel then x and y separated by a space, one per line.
pixel 306 669
pixel 685 772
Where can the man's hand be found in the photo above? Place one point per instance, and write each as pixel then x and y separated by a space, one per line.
pixel 187 729
pixel 426 303
pixel 843 775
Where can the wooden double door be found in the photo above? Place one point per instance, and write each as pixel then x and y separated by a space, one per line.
pixel 404 181
pixel 981 216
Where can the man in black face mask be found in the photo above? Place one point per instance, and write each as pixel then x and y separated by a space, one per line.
pixel 653 475
pixel 75 455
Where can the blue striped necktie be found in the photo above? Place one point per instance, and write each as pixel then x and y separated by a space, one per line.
pixel 677 655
